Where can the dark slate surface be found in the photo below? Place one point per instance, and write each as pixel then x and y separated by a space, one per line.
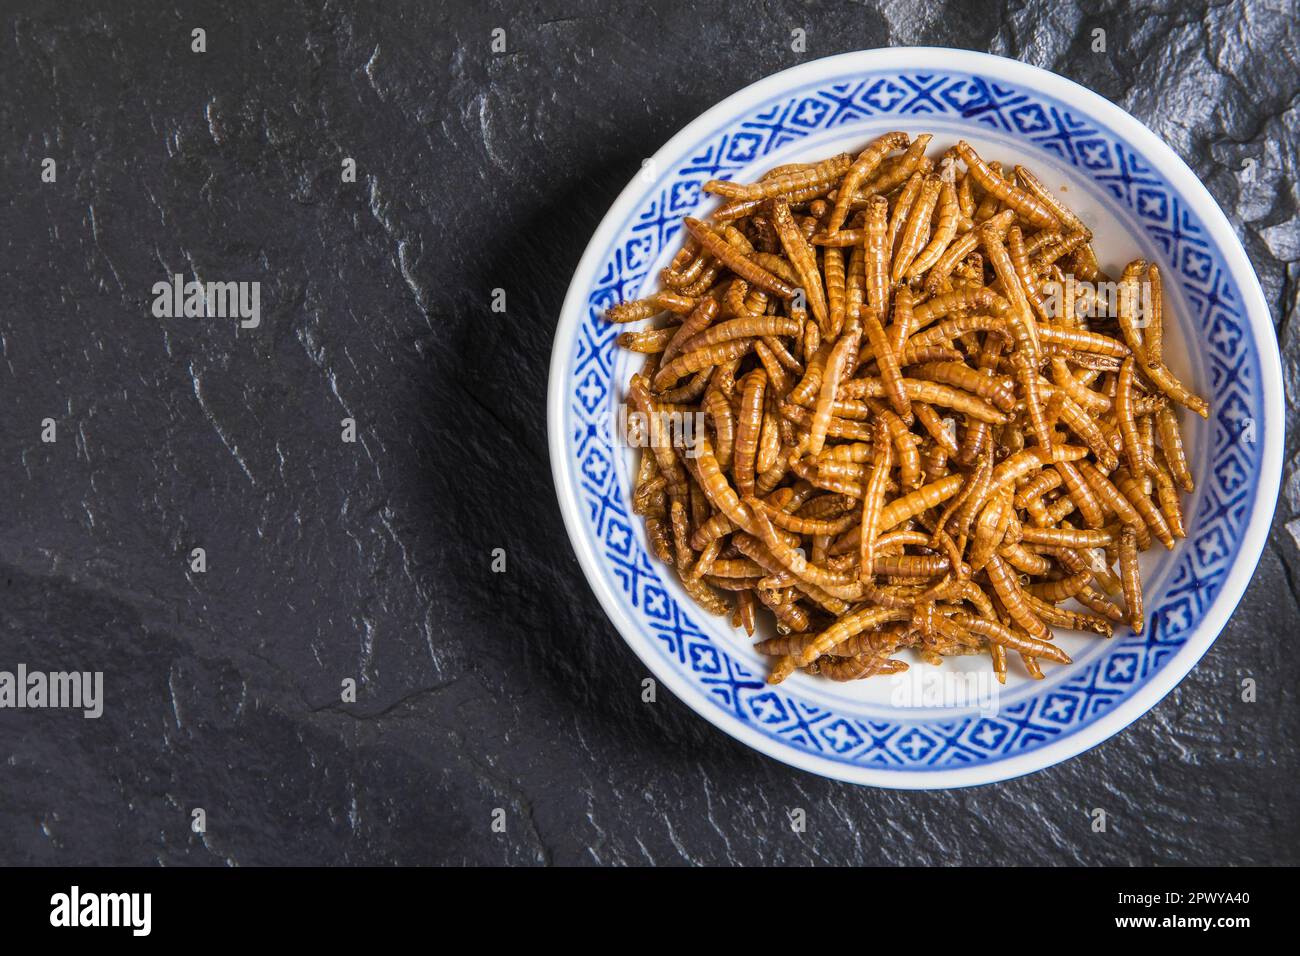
pixel 370 560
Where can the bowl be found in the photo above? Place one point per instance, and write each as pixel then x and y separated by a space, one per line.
pixel 921 730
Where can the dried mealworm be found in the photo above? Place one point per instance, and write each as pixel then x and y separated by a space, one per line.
pixel 721 416
pixel 749 421
pixel 1133 493
pixel 862 167
pixel 803 259
pixel 793 180
pixel 1134 454
pixel 874 501
pixel 945 231
pixel 917 228
pixel 896 171
pixel 845 349
pixel 891 377
pixel 1130 577
pixel 1062 212
pixel 741 265
pixel 1029 206
pixel 1171 446
pixel 704 358
pixel 877 255
pixel 695 323
pixel 833 266
pixel 902 208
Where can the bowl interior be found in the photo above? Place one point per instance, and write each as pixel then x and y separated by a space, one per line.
pixel 1119 238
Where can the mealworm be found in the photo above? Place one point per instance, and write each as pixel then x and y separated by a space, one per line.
pixel 1081 494
pixel 990 529
pixel 901 327
pixel 1058 209
pixel 1020 320
pixel 847 627
pixel 648 341
pixel 999 392
pixel 1134 454
pixel 896 171
pixel 858 667
pixel 748 326
pixel 1012 597
pixel 769 440
pixel 1067 618
pixel 742 266
pixel 902 208
pixel 977 492
pixel 1171 445
pixel 722 418
pixel 695 323
pixel 916 230
pixel 1153 337
pixel 703 358
pixel 833 266
pixel 1083 341
pixel 882 453
pixel 1069 537
pixel 1130 578
pixel 1167 496
pixel 862 167
pixel 742 208
pixel 939 306
pixel 937 427
pixel 780 381
pixel 803 259
pixel 1154 520
pixel 945 231
pixel 891 377
pixel 999 634
pixel 932 393
pixel 906 453
pixel 876 252
pixel 1026 204
pixel 827 171
pixel 1157 372
pixel 749 420
pixel 843 350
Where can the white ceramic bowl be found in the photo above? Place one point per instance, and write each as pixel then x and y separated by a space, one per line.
pixel 1140 199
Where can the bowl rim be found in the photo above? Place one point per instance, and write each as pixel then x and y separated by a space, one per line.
pixel 1254 308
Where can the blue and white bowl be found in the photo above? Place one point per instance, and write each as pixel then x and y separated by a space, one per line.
pixel 1140 199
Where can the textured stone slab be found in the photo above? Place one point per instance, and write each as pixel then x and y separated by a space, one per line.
pixel 327 560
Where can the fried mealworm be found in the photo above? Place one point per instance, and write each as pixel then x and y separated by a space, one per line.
pixel 1032 209
pixel 876 251
pixel 792 180
pixel 862 167
pixel 873 501
pixel 802 257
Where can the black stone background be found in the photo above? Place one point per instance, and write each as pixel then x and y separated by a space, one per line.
pixel 371 560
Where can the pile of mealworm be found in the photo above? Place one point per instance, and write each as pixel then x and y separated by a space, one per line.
pixel 902 446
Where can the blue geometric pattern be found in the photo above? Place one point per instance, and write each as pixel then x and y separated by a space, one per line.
pixel 1226 494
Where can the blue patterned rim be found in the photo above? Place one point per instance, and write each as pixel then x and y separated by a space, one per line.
pixel 1237 468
